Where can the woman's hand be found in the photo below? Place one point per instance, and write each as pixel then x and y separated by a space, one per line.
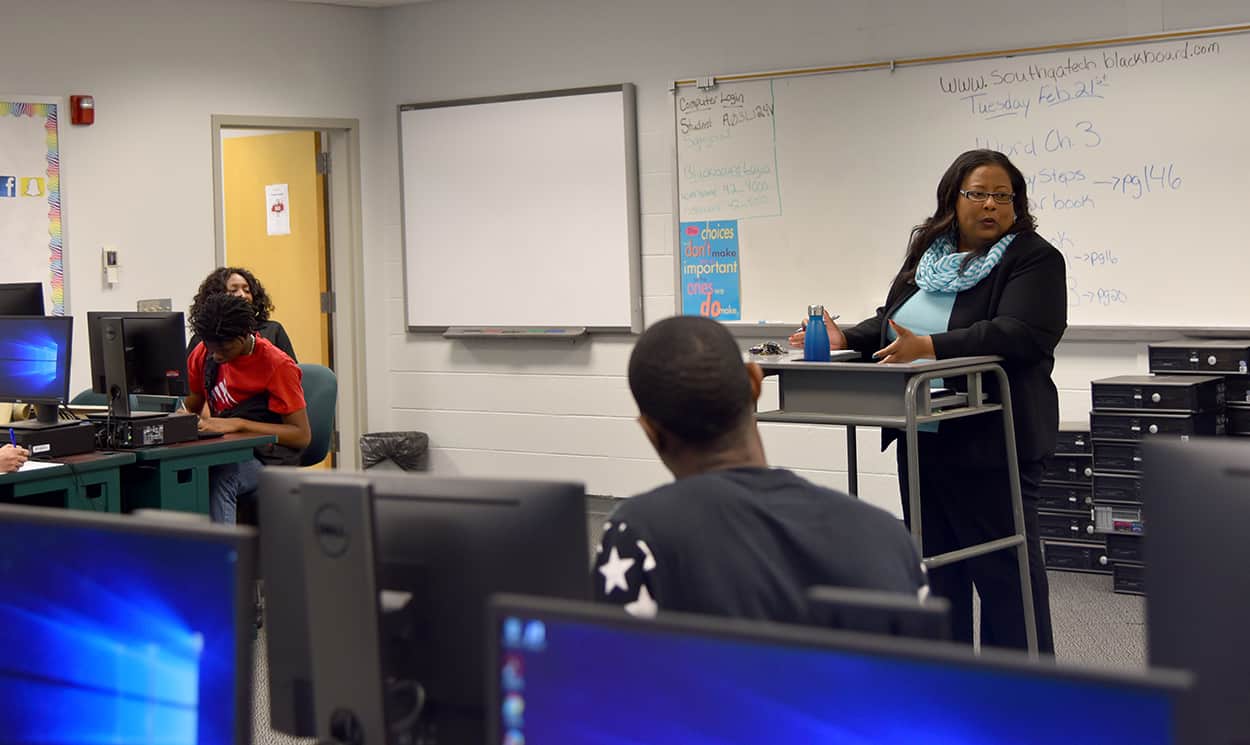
pixel 12 458
pixel 837 340
pixel 906 348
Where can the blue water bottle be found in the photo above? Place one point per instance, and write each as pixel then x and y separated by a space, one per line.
pixel 816 342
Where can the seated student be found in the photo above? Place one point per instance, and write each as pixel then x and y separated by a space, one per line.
pixel 732 536
pixel 234 280
pixel 12 458
pixel 250 386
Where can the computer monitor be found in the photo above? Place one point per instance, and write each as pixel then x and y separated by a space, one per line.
pixel 21 299
pixel 34 364
pixel 879 612
pixel 577 674
pixel 142 353
pixel 123 629
pixel 1196 503
pixel 396 572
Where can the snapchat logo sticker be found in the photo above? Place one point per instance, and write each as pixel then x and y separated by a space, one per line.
pixel 32 187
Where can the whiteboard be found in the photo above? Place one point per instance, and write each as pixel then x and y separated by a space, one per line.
pixel 1134 156
pixel 522 211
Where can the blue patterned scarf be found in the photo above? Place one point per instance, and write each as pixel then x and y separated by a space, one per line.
pixel 941 267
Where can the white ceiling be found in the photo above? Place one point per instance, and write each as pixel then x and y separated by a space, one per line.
pixel 362 3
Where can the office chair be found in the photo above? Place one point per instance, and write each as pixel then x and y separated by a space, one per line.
pixel 321 391
pixel 88 398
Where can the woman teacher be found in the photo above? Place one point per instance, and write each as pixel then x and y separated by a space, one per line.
pixel 978 280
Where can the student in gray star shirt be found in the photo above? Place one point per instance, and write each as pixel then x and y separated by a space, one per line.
pixel 731 536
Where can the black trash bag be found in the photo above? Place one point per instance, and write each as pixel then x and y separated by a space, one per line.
pixel 410 451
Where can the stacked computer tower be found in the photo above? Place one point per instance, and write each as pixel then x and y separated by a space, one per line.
pixel 1128 410
pixel 1065 506
pixel 1228 358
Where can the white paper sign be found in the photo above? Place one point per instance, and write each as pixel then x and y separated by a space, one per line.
pixel 278 209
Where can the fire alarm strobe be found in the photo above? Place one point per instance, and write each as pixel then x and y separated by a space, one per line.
pixel 82 109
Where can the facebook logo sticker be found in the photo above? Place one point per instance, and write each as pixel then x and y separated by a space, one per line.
pixel 8 186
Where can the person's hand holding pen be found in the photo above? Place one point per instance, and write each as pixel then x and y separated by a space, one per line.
pixel 837 340
pixel 11 456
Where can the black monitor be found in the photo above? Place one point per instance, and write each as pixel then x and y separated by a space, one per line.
pixel 34 364
pixel 21 299
pixel 581 674
pixel 132 352
pixel 879 612
pixel 124 629
pixel 395 571
pixel 1196 502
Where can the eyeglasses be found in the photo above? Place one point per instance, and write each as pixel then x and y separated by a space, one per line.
pixel 1000 197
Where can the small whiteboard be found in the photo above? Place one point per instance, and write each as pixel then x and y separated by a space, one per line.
pixel 522 211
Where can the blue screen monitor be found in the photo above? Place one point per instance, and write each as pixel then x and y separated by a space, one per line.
pixel 123 630
pixel 34 361
pixel 578 674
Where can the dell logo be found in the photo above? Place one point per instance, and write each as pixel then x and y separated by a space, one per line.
pixel 331 532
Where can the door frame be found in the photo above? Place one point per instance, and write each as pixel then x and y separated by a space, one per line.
pixel 346 238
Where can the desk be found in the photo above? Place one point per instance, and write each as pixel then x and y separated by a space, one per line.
pixel 90 481
pixel 175 477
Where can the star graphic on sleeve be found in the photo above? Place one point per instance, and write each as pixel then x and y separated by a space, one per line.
pixel 648 561
pixel 644 607
pixel 613 571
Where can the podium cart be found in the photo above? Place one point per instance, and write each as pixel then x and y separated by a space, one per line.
pixel 894 396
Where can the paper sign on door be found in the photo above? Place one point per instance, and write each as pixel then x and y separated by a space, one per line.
pixel 278 209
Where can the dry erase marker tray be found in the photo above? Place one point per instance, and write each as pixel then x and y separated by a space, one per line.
pixel 514 332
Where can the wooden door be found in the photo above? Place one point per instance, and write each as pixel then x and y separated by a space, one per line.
pixel 291 266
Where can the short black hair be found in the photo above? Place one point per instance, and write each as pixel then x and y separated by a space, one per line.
pixel 219 317
pixel 216 281
pixel 687 374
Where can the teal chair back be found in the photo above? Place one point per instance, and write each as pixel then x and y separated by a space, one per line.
pixel 89 398
pixel 321 393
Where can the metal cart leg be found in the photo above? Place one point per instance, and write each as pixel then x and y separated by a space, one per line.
pixel 1017 509
pixel 913 486
pixel 1019 540
pixel 852 462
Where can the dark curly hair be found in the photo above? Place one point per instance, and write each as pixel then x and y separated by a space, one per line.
pixel 215 283
pixel 220 318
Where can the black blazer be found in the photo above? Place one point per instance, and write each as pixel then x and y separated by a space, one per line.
pixel 1019 312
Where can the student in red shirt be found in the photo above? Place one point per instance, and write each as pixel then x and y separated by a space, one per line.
pixel 250 386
